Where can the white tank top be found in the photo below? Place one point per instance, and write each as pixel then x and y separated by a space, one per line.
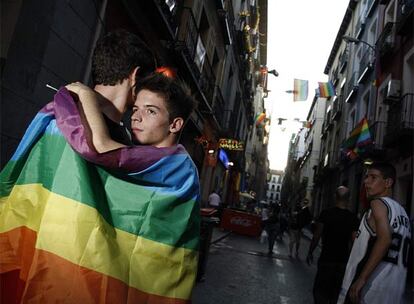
pixel 386 283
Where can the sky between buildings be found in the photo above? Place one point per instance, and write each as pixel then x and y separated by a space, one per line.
pixel 301 34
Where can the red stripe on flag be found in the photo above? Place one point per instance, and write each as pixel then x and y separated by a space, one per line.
pixel 43 277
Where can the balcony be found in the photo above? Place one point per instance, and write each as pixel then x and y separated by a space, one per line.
pixel 335 76
pixel 343 60
pixel 187 35
pixel 218 107
pixel 366 64
pixel 168 14
pixel 386 41
pixel 377 131
pixel 370 7
pixel 351 87
pixel 405 23
pixel 207 80
pixel 337 105
pixel 401 120
pixel 360 26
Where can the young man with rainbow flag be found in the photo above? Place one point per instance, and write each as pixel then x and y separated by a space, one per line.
pixel 80 226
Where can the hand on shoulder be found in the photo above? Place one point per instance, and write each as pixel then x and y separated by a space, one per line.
pixel 80 89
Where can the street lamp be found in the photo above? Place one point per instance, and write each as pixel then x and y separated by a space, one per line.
pixel 356 41
pixel 274 72
pixel 349 39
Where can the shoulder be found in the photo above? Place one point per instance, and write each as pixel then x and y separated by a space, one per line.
pixel 380 209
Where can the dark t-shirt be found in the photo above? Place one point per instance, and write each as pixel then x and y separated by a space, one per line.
pixel 338 225
pixel 118 132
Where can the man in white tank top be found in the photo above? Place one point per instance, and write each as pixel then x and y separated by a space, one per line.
pixel 377 267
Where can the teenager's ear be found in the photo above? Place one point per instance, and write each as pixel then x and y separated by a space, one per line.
pixel 132 76
pixel 389 182
pixel 176 125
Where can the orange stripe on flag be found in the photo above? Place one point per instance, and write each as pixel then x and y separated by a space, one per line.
pixel 48 278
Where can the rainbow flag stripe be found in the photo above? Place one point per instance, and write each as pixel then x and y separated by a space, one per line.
pixel 300 90
pixel 359 138
pixel 259 119
pixel 72 231
pixel 326 89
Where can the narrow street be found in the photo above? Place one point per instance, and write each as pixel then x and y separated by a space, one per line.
pixel 239 271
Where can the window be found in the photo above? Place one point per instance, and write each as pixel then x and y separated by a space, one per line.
pixel 365 104
pixel 200 54
pixel 351 122
pixel 390 12
pixel 171 4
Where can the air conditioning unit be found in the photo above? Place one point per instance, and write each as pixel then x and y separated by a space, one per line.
pixel 393 90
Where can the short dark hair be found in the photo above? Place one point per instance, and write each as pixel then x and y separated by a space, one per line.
pixel 387 170
pixel 116 55
pixel 178 99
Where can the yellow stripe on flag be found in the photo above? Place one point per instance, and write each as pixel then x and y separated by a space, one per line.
pixel 78 233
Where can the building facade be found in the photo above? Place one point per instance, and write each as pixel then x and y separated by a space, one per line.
pixel 215 47
pixel 274 187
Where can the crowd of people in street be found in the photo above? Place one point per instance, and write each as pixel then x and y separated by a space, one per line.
pixel 361 261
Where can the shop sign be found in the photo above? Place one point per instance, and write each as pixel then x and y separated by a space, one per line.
pixel 231 144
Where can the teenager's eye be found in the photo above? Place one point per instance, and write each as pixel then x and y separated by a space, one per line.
pixel 151 112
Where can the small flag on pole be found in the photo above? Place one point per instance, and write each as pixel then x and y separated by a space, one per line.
pixel 259 120
pixel 326 89
pixel 300 90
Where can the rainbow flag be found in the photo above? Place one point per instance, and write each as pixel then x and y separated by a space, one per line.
pixel 358 140
pixel 73 231
pixel 260 119
pixel 300 90
pixel 326 89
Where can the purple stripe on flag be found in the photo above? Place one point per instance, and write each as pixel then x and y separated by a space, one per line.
pixel 130 159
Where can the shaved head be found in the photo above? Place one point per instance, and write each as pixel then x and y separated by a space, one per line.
pixel 342 194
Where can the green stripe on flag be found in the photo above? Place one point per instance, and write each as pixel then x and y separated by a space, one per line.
pixel 134 208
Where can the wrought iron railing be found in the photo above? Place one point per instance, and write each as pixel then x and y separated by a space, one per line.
pixel 187 37
pixel 401 114
pixel 337 105
pixel 343 60
pixel 366 63
pixel 386 39
pixel 169 14
pixel 370 7
pixel 207 80
pixel 351 86
pixel 360 26
pixel 377 131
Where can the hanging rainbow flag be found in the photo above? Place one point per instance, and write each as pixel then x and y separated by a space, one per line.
pixel 326 89
pixel 358 140
pixel 259 119
pixel 300 90
pixel 72 231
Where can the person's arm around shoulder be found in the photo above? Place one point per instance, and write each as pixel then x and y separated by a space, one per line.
pixel 379 218
pixel 89 105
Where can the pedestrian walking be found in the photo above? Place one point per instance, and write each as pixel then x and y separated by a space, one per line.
pixel 272 228
pixel 300 217
pixel 337 227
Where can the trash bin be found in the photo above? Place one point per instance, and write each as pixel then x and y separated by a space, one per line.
pixel 206 231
